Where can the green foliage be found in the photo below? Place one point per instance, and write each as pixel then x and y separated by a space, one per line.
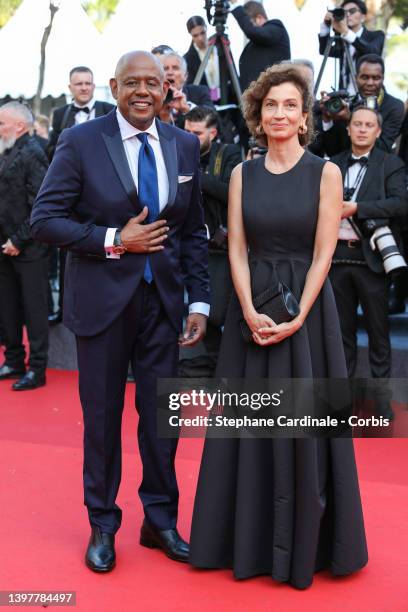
pixel 401 11
pixel 397 43
pixel 100 11
pixel 7 9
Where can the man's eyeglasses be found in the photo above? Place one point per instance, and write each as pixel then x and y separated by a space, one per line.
pixel 351 11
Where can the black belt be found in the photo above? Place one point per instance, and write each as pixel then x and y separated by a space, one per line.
pixel 351 244
pixel 349 252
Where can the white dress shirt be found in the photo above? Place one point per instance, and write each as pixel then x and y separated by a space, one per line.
pixel 355 171
pixel 80 116
pixel 132 147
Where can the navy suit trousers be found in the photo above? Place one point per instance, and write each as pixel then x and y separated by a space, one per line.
pixel 144 336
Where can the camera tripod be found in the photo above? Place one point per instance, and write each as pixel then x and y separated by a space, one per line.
pixel 221 41
pixel 337 40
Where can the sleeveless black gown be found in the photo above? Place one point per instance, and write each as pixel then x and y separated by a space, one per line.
pixel 282 507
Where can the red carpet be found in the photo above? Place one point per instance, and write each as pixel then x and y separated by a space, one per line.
pixel 44 529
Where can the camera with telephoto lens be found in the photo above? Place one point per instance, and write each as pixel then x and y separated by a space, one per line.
pixel 338 13
pixel 334 104
pixel 383 241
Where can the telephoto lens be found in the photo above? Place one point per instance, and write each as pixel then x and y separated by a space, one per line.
pixel 383 240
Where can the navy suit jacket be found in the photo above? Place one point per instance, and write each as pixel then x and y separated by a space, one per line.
pixel 88 188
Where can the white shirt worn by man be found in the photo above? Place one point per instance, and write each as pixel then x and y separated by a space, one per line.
pixel 354 177
pixel 81 116
pixel 132 147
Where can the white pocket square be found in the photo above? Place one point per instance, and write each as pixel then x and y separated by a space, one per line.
pixel 184 179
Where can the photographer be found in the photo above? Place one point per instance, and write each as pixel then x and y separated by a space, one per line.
pixel 336 108
pixel 181 97
pixel 374 197
pixel 347 22
pixel 268 41
pixel 217 161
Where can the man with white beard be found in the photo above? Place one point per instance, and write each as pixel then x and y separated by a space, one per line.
pixel 23 261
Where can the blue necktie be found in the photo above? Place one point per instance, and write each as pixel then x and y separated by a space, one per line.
pixel 148 188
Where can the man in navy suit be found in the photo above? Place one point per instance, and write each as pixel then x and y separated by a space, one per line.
pixel 123 195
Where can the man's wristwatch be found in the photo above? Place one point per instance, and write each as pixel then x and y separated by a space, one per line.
pixel 118 247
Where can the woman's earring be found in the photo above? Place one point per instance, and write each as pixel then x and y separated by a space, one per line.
pixel 259 130
pixel 303 129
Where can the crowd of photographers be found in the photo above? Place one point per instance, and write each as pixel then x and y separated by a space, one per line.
pixel 359 125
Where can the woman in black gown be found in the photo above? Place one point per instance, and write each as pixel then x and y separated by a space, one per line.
pixel 282 507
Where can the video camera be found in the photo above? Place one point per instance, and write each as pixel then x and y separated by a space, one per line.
pixel 217 11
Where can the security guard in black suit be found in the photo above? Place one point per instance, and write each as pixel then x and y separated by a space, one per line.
pixel 83 108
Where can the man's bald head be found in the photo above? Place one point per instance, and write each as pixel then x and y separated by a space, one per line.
pixel 139 87
pixel 134 56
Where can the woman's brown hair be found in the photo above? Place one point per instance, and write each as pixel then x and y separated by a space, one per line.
pixel 253 98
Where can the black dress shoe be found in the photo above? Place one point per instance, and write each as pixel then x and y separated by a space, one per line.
pixel 168 540
pixel 31 380
pixel 7 372
pixel 100 554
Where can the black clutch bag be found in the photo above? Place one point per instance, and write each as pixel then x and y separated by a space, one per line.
pixel 278 303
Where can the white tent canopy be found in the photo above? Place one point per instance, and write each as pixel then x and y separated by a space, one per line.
pixel 74 40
